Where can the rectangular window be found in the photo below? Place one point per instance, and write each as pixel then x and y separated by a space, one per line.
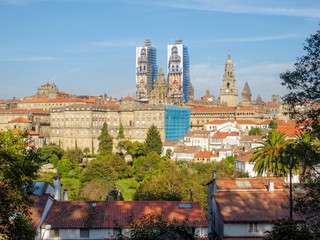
pixel 253 227
pixel 149 123
pixel 137 132
pixel 54 233
pixel 84 233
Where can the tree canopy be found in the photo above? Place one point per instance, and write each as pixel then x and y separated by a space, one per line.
pixel 18 167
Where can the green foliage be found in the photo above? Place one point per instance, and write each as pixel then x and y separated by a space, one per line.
pixel 54 160
pixel 120 166
pixel 72 186
pixel 48 151
pixel 121 132
pixel 18 168
pixel 273 125
pixel 255 131
pixel 150 227
pixel 64 166
pixel 105 141
pixel 128 187
pixel 168 154
pixel 74 155
pixel 135 149
pixel 266 157
pixel 92 146
pixel 96 189
pixel 153 141
pixel 288 229
pixel 309 204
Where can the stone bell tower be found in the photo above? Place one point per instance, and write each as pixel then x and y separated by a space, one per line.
pixel 229 90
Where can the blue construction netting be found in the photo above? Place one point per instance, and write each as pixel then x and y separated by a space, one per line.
pixel 177 122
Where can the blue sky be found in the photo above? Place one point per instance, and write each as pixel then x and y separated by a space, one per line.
pixel 88 46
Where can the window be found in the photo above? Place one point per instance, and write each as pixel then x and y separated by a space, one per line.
pixel 253 227
pixel 54 233
pixel 84 233
pixel 137 132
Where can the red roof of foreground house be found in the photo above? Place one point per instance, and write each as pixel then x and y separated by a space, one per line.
pixel 256 183
pixel 254 206
pixel 204 154
pixel 20 120
pixel 38 209
pixel 104 214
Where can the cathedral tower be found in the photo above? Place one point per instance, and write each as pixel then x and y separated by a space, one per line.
pixel 229 91
pixel 159 94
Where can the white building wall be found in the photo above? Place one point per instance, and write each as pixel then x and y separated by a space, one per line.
pixel 243 229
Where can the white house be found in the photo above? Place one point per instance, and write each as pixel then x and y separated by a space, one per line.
pixel 172 145
pixel 244 208
pixel 185 153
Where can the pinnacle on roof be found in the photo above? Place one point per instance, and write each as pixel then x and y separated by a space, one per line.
pixel 246 89
pixel 229 55
pixel 259 100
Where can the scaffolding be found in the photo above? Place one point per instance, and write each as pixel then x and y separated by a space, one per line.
pixel 177 122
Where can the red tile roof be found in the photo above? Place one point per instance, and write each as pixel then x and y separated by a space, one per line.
pixel 290 131
pixel 194 104
pixel 38 209
pixel 186 149
pixel 170 143
pixel 257 183
pixel 220 135
pixel 32 133
pixel 250 206
pixel 239 121
pixel 82 214
pixel 204 154
pixel 244 156
pixel 46 85
pixel 129 99
pixel 20 120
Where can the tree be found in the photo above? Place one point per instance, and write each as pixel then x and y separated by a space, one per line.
pixel 86 150
pixel 255 131
pixel 18 167
pixel 288 229
pixel 64 166
pixel 121 132
pixel 74 155
pixel 273 125
pixel 153 141
pixel 266 157
pixel 48 151
pixel 105 141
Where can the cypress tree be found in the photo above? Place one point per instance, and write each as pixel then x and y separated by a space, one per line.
pixel 153 141
pixel 105 141
pixel 121 132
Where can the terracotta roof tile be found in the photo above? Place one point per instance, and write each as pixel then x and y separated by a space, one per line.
pixel 81 214
pixel 186 149
pixel 290 131
pixel 219 135
pixel 129 99
pixel 257 183
pixel 204 154
pixel 170 143
pixel 20 120
pixel 38 209
pixel 249 206
pixel 244 156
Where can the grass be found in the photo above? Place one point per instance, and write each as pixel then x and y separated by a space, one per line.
pixel 128 187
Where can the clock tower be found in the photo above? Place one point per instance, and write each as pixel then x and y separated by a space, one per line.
pixel 229 90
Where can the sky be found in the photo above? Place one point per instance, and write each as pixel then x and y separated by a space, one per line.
pixel 87 47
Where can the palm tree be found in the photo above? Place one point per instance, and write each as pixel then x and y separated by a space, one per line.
pixel 266 157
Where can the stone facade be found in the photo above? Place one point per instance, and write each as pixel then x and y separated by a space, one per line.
pixel 159 94
pixel 229 90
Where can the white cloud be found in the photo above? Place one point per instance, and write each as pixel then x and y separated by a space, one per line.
pixel 28 59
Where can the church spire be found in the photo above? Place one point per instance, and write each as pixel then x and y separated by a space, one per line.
pixel 229 55
pixel 246 94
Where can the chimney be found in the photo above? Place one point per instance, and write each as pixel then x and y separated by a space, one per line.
pixel 65 195
pixel 271 186
pixel 57 187
pixel 191 195
pixel 214 174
